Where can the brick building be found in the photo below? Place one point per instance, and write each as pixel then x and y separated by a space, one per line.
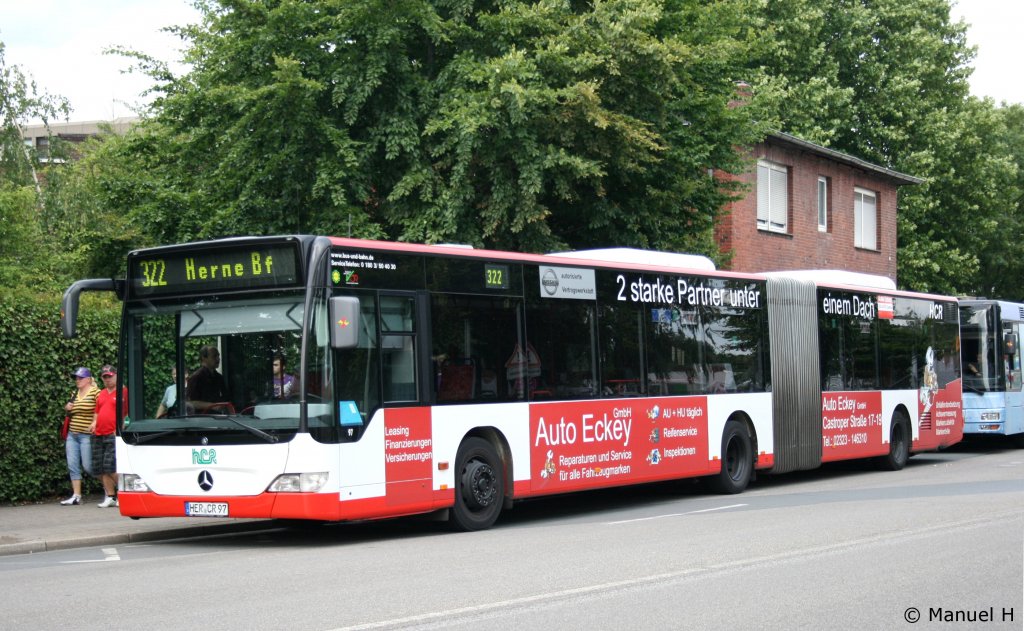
pixel 809 207
pixel 39 137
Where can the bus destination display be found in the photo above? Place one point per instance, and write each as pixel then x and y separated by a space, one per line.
pixel 185 272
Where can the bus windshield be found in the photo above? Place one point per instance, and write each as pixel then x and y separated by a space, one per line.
pixel 210 365
pixel 978 349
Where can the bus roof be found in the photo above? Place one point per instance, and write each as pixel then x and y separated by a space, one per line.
pixel 643 257
pixel 839 277
pixel 856 281
pixel 626 258
pixel 1008 311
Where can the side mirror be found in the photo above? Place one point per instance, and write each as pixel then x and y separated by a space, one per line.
pixel 1010 344
pixel 345 313
pixel 69 303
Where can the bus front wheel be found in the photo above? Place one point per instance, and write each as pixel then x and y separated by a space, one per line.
pixel 737 460
pixel 479 486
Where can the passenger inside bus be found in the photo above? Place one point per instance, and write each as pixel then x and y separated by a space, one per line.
pixel 206 390
pixel 284 383
pixel 168 404
pixel 974 367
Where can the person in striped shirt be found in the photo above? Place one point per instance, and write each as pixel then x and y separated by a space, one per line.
pixel 78 448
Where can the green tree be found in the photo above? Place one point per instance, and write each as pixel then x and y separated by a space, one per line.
pixel 17 231
pixel 1002 261
pixel 886 80
pixel 21 203
pixel 522 125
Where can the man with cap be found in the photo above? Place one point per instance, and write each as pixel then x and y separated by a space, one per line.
pixel 104 463
pixel 78 448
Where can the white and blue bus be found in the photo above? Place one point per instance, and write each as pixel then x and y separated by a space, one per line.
pixel 993 400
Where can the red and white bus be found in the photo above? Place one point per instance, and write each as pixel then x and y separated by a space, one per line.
pixel 431 378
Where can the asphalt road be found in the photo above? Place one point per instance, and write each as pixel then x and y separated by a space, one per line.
pixel 844 547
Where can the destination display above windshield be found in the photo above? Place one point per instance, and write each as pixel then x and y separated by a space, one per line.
pixel 253 266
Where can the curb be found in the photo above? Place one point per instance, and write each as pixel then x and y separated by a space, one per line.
pixel 185 532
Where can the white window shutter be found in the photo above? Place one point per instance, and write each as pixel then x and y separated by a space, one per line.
pixel 865 219
pixel 772 197
pixel 763 195
pixel 780 200
pixel 870 222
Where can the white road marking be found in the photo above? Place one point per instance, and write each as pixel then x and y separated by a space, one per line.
pixel 693 512
pixel 435 617
pixel 111 555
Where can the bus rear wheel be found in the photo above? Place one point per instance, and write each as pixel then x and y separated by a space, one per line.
pixel 899 444
pixel 737 460
pixel 479 486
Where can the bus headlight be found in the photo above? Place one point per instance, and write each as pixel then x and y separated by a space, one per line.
pixel 132 483
pixel 299 482
pixel 991 416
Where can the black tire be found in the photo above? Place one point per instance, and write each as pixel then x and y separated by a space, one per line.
pixel 479 486
pixel 899 444
pixel 737 460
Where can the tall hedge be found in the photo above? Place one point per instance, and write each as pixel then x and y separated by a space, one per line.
pixel 35 383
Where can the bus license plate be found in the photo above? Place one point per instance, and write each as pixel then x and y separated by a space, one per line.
pixel 206 509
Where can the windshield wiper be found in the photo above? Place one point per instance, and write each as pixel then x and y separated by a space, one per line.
pixel 145 438
pixel 255 431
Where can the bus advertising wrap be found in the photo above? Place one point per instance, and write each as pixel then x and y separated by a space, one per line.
pixel 408 455
pixel 854 425
pixel 587 444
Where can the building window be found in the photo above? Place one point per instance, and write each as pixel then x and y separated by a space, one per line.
pixel 865 219
pixel 43 147
pixel 822 203
pixel 772 197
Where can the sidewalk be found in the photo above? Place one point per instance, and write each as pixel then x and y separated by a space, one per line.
pixel 44 527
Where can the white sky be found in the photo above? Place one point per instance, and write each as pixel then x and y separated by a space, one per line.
pixel 60 43
pixel 995 28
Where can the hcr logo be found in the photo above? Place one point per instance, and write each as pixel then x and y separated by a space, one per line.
pixel 204 456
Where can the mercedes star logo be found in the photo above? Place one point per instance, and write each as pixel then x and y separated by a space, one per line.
pixel 205 480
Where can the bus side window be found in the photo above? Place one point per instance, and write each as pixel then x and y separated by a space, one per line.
pixel 398 347
pixel 472 337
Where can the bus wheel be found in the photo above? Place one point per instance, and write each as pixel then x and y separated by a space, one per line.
pixel 737 460
pixel 479 486
pixel 899 444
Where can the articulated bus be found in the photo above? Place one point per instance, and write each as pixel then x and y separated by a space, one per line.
pixel 993 402
pixel 455 380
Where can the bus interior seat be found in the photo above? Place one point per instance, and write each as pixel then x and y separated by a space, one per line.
pixel 458 380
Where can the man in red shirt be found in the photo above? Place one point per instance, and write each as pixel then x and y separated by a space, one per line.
pixel 104 463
